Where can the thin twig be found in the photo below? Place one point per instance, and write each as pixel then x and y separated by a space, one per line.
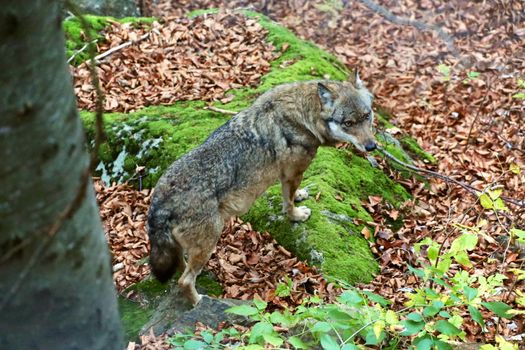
pixel 442 245
pixel 510 146
pixel 447 38
pixel 474 191
pixel 220 110
pixel 103 55
pixel 511 289
pixel 77 52
pixel 478 112
pixel 99 103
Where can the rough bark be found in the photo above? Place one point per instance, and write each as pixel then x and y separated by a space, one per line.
pixel 56 290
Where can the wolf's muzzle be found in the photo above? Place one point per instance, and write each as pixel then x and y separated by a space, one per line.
pixel 370 146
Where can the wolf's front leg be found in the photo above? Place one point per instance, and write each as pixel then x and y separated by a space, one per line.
pixel 290 195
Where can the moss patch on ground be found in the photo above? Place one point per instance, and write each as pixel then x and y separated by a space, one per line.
pixel 337 182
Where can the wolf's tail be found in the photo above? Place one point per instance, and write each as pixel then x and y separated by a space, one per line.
pixel 167 255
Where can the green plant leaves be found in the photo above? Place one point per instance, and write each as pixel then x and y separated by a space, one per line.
pixel 470 293
pixel 499 308
pixel 377 298
pixel 466 241
pixel 491 200
pixel 260 304
pixel 351 298
pixel 243 310
pixel 411 327
pixel 263 331
pixel 433 309
pixel 329 343
pixel 297 342
pixel 321 327
pixel 447 328
pixel 476 315
pixel 195 345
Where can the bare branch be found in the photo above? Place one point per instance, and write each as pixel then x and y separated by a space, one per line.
pixel 220 110
pixel 103 55
pixel 474 191
pixel 79 51
pixel 447 38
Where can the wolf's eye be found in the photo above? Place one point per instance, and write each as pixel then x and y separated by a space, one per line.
pixel 348 123
pixel 366 116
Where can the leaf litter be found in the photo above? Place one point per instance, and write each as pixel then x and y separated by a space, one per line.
pixel 467 111
pixel 181 59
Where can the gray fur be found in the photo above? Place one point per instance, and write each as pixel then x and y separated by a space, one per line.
pixel 274 139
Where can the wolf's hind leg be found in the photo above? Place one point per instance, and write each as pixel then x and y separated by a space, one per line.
pixel 199 246
pixel 290 193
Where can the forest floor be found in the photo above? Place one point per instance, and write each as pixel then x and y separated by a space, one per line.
pixel 462 100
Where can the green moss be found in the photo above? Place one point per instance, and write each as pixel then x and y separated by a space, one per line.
pixel 383 122
pixel 75 39
pixel 148 290
pixel 412 147
pixel 209 285
pixel 148 295
pixel 152 137
pixel 133 317
pixel 331 238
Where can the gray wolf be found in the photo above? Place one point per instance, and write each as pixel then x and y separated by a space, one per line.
pixel 274 139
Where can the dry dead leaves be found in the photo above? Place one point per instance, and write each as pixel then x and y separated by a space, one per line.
pixel 252 264
pixel 247 263
pixel 123 211
pixel 181 59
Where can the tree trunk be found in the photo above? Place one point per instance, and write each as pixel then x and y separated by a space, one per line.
pixel 56 290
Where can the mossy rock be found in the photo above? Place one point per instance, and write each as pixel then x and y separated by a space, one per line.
pixel 149 295
pixel 338 180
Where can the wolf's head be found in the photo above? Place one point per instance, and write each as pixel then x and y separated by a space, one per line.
pixel 347 112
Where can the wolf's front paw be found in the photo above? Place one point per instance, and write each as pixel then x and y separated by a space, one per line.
pixel 300 214
pixel 301 195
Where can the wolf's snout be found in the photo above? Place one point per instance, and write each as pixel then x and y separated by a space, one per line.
pixel 370 146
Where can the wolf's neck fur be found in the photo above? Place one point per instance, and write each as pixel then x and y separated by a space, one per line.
pixel 298 106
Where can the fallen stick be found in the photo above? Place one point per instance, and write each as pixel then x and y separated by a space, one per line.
pixel 470 189
pixel 77 52
pixel 447 38
pixel 220 110
pixel 103 55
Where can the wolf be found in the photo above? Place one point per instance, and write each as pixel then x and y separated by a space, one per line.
pixel 274 139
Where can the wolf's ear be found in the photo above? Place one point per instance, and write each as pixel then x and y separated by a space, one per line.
pixel 326 96
pixel 355 80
